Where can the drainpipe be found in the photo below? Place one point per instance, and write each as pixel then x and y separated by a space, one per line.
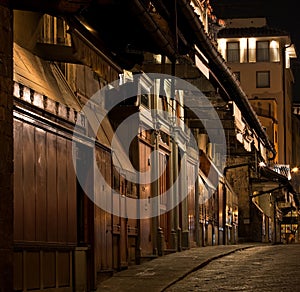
pixel 284 100
pixel 284 114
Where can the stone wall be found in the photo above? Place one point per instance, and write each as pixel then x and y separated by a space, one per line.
pixel 238 178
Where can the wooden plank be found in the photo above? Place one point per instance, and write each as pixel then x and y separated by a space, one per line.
pixel 116 251
pixel 98 235
pixel 103 228
pixel 51 188
pixel 49 269
pixel 41 191
pixel 32 266
pixel 145 193
pixel 97 225
pixel 63 260
pixel 163 184
pixel 18 181
pixel 105 217
pixel 105 252
pixel 54 52
pixel 18 271
pixel 62 190
pixel 191 202
pixel 108 217
pixel 132 250
pixel 123 246
pixel 72 196
pixel 29 182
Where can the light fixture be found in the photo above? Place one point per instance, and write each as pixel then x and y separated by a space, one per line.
pixel 262 164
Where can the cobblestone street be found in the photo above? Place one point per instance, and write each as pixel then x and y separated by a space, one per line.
pixel 262 268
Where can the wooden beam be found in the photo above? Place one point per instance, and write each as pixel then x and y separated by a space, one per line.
pixel 58 53
pixel 47 6
pixel 6 150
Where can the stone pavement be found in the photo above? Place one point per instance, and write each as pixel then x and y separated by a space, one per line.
pixel 158 274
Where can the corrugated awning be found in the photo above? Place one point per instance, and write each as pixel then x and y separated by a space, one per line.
pixel 278 178
pixel 208 184
pixel 87 53
pixel 42 76
pixel 273 175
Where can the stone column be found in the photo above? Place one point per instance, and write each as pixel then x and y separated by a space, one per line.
pixel 6 149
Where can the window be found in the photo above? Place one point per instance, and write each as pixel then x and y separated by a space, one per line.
pixel 53 30
pixel 233 52
pixel 262 51
pixel 145 100
pixel 263 79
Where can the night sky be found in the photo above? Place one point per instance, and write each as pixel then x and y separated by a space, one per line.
pixel 282 14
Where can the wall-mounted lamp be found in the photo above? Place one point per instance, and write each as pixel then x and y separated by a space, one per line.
pixel 262 164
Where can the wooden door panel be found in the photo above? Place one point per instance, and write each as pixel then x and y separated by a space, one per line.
pixel 41 183
pixel 18 181
pixel 52 214
pixel 29 183
pixel 62 189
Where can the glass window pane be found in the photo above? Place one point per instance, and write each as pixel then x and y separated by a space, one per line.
pixel 262 51
pixel 263 79
pixel 233 52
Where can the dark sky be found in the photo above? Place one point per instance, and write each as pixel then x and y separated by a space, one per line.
pixel 280 14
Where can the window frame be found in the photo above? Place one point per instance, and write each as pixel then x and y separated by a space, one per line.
pixel 233 55
pixel 263 53
pixel 260 83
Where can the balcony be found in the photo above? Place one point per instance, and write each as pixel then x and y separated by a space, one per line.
pixel 266 113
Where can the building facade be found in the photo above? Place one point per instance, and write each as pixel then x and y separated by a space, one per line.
pixel 63 223
pixel 260 57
